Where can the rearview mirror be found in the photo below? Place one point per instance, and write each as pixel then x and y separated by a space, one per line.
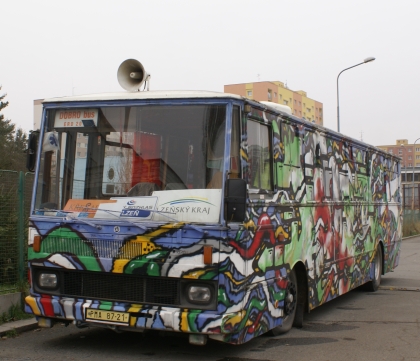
pixel 32 150
pixel 235 200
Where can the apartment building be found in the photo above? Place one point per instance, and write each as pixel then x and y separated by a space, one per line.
pixel 409 153
pixel 278 92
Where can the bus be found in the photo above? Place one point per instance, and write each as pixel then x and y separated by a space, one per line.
pixel 202 213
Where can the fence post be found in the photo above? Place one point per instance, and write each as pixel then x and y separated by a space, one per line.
pixel 21 222
pixel 403 196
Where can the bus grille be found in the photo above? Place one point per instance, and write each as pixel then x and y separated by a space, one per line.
pixel 116 287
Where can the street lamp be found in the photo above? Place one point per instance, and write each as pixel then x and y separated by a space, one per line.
pixel 367 60
pixel 414 163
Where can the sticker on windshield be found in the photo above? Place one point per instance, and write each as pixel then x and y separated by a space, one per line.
pixel 135 207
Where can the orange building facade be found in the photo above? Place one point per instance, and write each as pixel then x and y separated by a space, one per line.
pixel 277 92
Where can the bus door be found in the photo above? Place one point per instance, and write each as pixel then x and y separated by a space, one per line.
pixel 265 248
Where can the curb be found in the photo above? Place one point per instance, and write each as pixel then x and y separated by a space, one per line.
pixel 409 237
pixel 393 288
pixel 18 326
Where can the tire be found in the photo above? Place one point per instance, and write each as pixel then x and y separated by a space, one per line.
pixel 373 286
pixel 290 306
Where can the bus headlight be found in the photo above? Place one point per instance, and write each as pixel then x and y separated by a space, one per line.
pixel 199 294
pixel 47 280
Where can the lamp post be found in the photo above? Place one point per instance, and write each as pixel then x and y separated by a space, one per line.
pixel 414 163
pixel 404 169
pixel 367 60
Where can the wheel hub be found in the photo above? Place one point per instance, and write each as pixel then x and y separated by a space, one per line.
pixel 290 299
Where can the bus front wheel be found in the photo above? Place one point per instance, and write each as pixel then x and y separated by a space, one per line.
pixel 290 305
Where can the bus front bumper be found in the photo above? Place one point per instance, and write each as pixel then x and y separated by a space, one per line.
pixel 125 316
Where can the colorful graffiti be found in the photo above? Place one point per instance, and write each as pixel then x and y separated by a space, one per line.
pixel 334 202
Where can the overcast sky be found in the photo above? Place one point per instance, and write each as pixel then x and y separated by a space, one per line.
pixel 56 48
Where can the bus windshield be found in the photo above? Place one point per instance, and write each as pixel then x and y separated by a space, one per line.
pixel 107 162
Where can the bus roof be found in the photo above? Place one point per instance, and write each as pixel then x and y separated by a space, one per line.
pixel 155 94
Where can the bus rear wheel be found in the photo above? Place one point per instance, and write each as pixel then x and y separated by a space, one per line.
pixel 290 306
pixel 373 286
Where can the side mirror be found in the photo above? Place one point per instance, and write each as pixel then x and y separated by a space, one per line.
pixel 235 200
pixel 32 150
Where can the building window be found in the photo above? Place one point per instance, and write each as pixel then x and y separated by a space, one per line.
pixel 275 95
pixel 300 103
pixel 390 151
pixel 409 157
pixel 249 93
pixel 280 96
pixel 417 149
pixel 285 102
pixel 269 94
pixel 409 150
pixel 417 156
pixel 399 151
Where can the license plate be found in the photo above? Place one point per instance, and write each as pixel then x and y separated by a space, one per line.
pixel 107 316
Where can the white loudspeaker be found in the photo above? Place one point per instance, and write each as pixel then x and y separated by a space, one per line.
pixel 131 75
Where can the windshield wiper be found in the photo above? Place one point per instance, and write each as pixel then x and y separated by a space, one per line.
pixel 73 217
pixel 111 212
pixel 68 217
pixel 146 214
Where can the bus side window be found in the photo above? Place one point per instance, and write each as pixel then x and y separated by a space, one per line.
pixel 259 156
pixel 344 182
pixel 291 141
pixel 328 181
pixel 395 186
pixel 309 176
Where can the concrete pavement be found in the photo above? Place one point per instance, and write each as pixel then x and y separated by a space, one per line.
pixel 406 277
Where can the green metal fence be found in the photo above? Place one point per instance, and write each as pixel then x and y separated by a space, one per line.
pixel 411 222
pixel 15 200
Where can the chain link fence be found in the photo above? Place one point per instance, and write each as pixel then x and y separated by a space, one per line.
pixel 411 209
pixel 15 201
pixel 411 222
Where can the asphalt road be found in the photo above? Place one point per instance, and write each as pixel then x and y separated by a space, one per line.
pixel 384 325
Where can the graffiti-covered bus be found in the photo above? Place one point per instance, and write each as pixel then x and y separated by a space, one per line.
pixel 202 213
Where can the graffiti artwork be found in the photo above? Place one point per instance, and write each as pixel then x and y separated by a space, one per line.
pixel 322 211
